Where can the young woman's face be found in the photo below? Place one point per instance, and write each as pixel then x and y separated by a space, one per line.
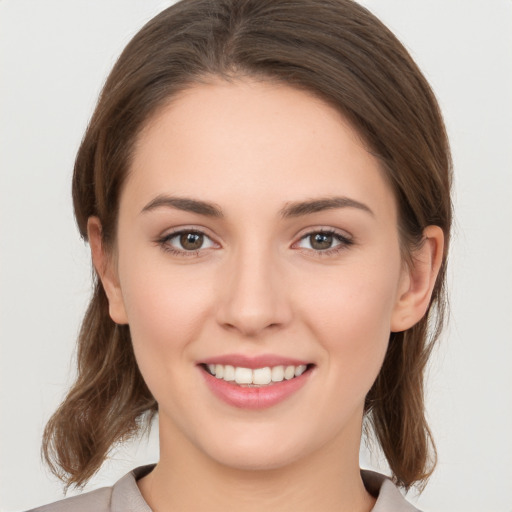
pixel 257 239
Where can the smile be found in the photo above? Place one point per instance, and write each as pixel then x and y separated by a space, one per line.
pixel 255 377
pixel 255 383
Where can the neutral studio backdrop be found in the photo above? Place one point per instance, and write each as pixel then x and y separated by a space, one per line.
pixel 54 57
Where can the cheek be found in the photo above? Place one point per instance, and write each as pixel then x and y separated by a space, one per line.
pixel 165 306
pixel 166 311
pixel 351 319
pixel 356 299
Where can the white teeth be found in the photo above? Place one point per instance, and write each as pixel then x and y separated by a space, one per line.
pixel 289 372
pixel 229 373
pixel 243 375
pixel 299 370
pixel 262 376
pixel 258 376
pixel 277 373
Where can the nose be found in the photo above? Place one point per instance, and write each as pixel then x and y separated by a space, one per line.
pixel 253 296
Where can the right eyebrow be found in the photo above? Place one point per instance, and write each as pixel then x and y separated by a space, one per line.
pixel 184 203
pixel 297 209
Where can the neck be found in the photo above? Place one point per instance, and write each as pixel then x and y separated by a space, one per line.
pixel 186 479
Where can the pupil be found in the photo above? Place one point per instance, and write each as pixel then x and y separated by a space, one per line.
pixel 191 241
pixel 321 241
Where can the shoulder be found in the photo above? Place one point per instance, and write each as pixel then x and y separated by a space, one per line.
pixel 98 500
pixel 123 496
pixel 389 498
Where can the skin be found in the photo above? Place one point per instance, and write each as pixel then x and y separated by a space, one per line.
pixel 259 286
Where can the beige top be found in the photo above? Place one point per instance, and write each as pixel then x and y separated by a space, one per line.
pixel 124 496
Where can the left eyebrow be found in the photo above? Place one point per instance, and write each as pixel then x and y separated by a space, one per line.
pixel 184 203
pixel 297 209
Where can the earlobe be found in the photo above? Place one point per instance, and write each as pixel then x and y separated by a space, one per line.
pixel 418 283
pixel 105 268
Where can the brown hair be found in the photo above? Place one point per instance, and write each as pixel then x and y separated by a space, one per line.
pixel 334 49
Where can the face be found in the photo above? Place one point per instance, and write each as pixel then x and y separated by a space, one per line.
pixel 257 240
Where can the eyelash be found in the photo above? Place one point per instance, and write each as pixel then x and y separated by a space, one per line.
pixel 344 243
pixel 163 242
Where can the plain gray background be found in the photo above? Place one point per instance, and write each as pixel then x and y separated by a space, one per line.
pixel 54 56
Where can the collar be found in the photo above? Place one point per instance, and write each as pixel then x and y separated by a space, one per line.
pixel 126 496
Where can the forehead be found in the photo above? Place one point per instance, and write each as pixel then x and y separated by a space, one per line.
pixel 249 138
pixel 210 110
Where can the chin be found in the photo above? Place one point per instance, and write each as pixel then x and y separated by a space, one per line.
pixel 261 459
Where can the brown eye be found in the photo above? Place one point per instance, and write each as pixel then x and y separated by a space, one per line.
pixel 324 242
pixel 187 243
pixel 191 241
pixel 321 241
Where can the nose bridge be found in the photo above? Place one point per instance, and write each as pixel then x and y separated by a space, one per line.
pixel 254 295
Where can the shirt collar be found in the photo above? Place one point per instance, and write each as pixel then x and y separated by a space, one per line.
pixel 126 496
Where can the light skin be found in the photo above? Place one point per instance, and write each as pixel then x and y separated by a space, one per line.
pixel 297 254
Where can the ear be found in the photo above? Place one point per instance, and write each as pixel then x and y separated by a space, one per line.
pixel 107 271
pixel 418 280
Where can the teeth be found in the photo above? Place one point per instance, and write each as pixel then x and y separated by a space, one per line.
pixel 299 370
pixel 289 372
pixel 262 376
pixel 243 375
pixel 258 376
pixel 229 373
pixel 277 373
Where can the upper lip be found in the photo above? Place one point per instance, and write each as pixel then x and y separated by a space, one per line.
pixel 253 362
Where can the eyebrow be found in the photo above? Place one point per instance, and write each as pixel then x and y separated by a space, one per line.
pixel 297 209
pixel 184 203
pixel 293 209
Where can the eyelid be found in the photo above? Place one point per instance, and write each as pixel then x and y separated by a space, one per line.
pixel 344 238
pixel 187 228
pixel 163 240
pixel 322 228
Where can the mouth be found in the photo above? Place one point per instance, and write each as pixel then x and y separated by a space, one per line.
pixel 256 377
pixel 255 383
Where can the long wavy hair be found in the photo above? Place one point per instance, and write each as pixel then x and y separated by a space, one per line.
pixel 341 53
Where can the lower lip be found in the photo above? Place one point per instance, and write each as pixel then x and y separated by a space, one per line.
pixel 254 397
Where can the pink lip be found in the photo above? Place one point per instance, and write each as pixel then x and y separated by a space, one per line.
pixel 254 398
pixel 253 362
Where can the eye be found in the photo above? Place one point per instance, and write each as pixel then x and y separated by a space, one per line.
pixel 324 241
pixel 189 241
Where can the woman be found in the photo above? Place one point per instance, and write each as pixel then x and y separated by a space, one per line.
pixel 265 187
